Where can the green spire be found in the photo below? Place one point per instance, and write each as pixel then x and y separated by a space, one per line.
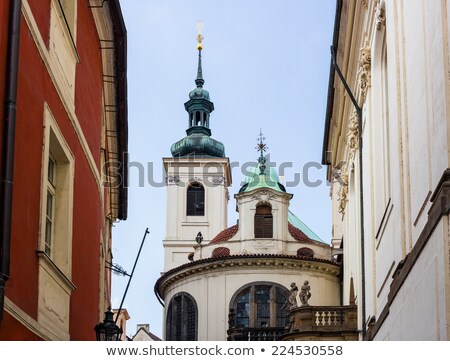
pixel 198 141
pixel 199 81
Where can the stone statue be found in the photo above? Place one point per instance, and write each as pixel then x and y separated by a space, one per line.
pixel 305 293
pixel 292 301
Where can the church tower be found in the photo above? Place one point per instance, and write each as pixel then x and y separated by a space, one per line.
pixel 197 177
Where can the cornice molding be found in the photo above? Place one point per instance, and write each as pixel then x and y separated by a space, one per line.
pixel 330 268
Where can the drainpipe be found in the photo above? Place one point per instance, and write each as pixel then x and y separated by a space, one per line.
pixel 9 125
pixel 361 200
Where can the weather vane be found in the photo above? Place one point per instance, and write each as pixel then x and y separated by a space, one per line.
pixel 200 36
pixel 261 147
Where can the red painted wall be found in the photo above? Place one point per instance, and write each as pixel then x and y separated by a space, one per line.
pixel 34 88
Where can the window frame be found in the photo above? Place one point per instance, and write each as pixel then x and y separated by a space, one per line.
pixel 263 222
pixel 57 149
pixel 178 330
pixel 275 289
pixel 195 185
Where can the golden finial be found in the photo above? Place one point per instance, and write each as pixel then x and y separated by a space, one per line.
pixel 199 36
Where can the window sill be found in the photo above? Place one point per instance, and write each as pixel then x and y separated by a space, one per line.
pixel 46 262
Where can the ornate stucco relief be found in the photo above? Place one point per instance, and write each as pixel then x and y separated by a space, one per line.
pixel 364 70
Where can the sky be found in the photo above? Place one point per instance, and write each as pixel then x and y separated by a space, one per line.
pixel 266 66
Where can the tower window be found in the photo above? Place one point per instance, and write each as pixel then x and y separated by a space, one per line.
pixel 181 320
pixel 263 222
pixel 197 118
pixel 195 205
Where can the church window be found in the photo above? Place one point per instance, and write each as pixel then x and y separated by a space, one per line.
pixel 260 304
pixel 181 320
pixel 263 222
pixel 195 205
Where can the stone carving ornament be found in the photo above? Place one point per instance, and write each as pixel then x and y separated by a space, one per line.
pixel 218 180
pixel 365 62
pixel 343 191
pixel 352 134
pixel 172 179
pixel 263 196
pixel 380 16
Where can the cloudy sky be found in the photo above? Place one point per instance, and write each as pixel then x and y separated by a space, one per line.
pixel 266 66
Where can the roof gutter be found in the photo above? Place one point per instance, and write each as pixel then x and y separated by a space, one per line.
pixel 120 55
pixel 330 98
pixel 8 141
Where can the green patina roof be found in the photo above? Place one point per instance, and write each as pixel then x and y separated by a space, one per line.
pixel 296 222
pixel 198 141
pixel 254 180
pixel 198 144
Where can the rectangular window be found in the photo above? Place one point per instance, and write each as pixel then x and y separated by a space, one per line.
pixel 50 206
pixel 55 238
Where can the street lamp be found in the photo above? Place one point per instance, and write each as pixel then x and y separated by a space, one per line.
pixel 108 330
pixel 199 238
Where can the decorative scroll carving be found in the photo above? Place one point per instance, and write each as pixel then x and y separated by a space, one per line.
pixel 218 180
pixel 365 63
pixel 380 17
pixel 195 179
pixel 263 196
pixel 172 179
pixel 352 134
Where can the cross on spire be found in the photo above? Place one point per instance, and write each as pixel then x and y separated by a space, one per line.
pixel 200 36
pixel 261 147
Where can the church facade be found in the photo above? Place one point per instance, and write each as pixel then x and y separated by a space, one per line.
pixel 251 280
pixel 388 159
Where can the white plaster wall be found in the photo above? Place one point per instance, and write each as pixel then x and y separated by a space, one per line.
pixel 402 166
pixel 419 310
pixel 181 229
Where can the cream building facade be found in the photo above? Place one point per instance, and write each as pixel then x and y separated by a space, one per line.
pixel 394 56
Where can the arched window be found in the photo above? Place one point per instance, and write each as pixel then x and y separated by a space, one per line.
pixel 181 320
pixel 260 305
pixel 263 222
pixel 195 205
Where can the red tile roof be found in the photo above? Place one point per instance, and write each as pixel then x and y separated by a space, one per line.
pixel 298 234
pixel 225 235
pixel 220 252
pixel 229 233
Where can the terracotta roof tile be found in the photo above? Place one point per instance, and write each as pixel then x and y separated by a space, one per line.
pixel 220 252
pixel 298 234
pixel 225 235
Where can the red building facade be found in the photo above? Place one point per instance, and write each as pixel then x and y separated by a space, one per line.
pixel 69 164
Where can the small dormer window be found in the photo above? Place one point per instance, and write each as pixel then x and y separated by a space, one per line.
pixel 195 205
pixel 263 222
